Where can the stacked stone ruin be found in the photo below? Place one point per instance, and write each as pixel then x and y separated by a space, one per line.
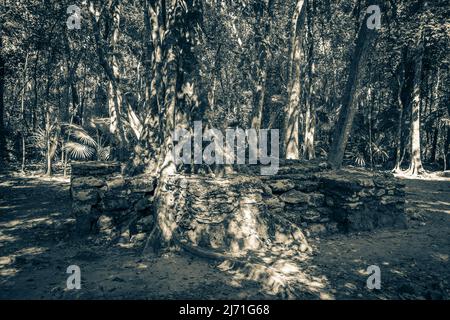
pixel 108 203
pixel 239 212
pixel 323 201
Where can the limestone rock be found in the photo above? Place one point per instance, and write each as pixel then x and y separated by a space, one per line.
pixel 80 209
pixel 316 199
pixel 142 183
pixel 116 183
pixel 295 197
pixel 307 185
pixel 95 168
pixel 317 229
pixel 87 182
pixel 114 204
pixel 145 224
pixel 143 204
pixel 274 203
pixel 86 196
pixel 310 216
pixel 281 186
pixel 105 224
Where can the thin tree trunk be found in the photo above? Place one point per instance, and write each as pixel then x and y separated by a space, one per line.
pixel 401 74
pixel 36 96
pixel 348 106
pixel 263 26
pixel 310 113
pixel 447 149
pixel 24 118
pixel 291 125
pixel 416 167
pixel 2 104
pixel 435 102
pixel 370 100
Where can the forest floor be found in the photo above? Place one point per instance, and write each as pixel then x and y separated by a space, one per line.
pixel 35 251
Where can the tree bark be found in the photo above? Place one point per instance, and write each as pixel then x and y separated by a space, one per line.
pixel 447 149
pixel 416 167
pixel 310 112
pixel 22 109
pixel 348 106
pixel 291 125
pixel 435 103
pixel 401 74
pixel 162 234
pixel 262 32
pixel 111 69
pixel 2 104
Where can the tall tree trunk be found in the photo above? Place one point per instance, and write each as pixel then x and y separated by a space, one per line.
pixel 262 32
pixel 435 103
pixel 111 68
pixel 162 234
pixel 371 101
pixel 2 104
pixel 447 149
pixel 310 112
pixel 348 106
pixel 47 118
pixel 401 74
pixel 115 97
pixel 48 135
pixel 416 167
pixel 292 117
pixel 34 111
pixel 22 109
pixel 170 98
pixel 154 22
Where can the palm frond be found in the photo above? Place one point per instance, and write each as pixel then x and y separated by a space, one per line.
pixel 84 137
pixel 39 138
pixel 360 161
pixel 79 151
pixel 103 153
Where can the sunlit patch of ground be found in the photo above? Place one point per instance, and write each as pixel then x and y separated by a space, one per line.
pixel 427 176
pixel 280 273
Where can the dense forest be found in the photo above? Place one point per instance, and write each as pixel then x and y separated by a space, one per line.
pixel 358 82
pixel 103 101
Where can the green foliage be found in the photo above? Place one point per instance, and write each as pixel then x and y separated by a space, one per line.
pixel 84 146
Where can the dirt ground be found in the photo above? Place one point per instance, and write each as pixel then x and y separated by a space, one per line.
pixel 36 249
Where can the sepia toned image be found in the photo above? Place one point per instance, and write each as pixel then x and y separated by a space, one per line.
pixel 218 150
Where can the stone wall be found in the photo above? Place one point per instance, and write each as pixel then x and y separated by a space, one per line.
pixel 323 201
pixel 297 195
pixel 228 215
pixel 362 201
pixel 106 202
pixel 207 210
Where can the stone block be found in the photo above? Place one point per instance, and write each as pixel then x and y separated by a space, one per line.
pixel 281 186
pixel 295 197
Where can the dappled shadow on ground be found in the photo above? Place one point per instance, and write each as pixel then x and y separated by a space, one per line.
pixel 36 248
